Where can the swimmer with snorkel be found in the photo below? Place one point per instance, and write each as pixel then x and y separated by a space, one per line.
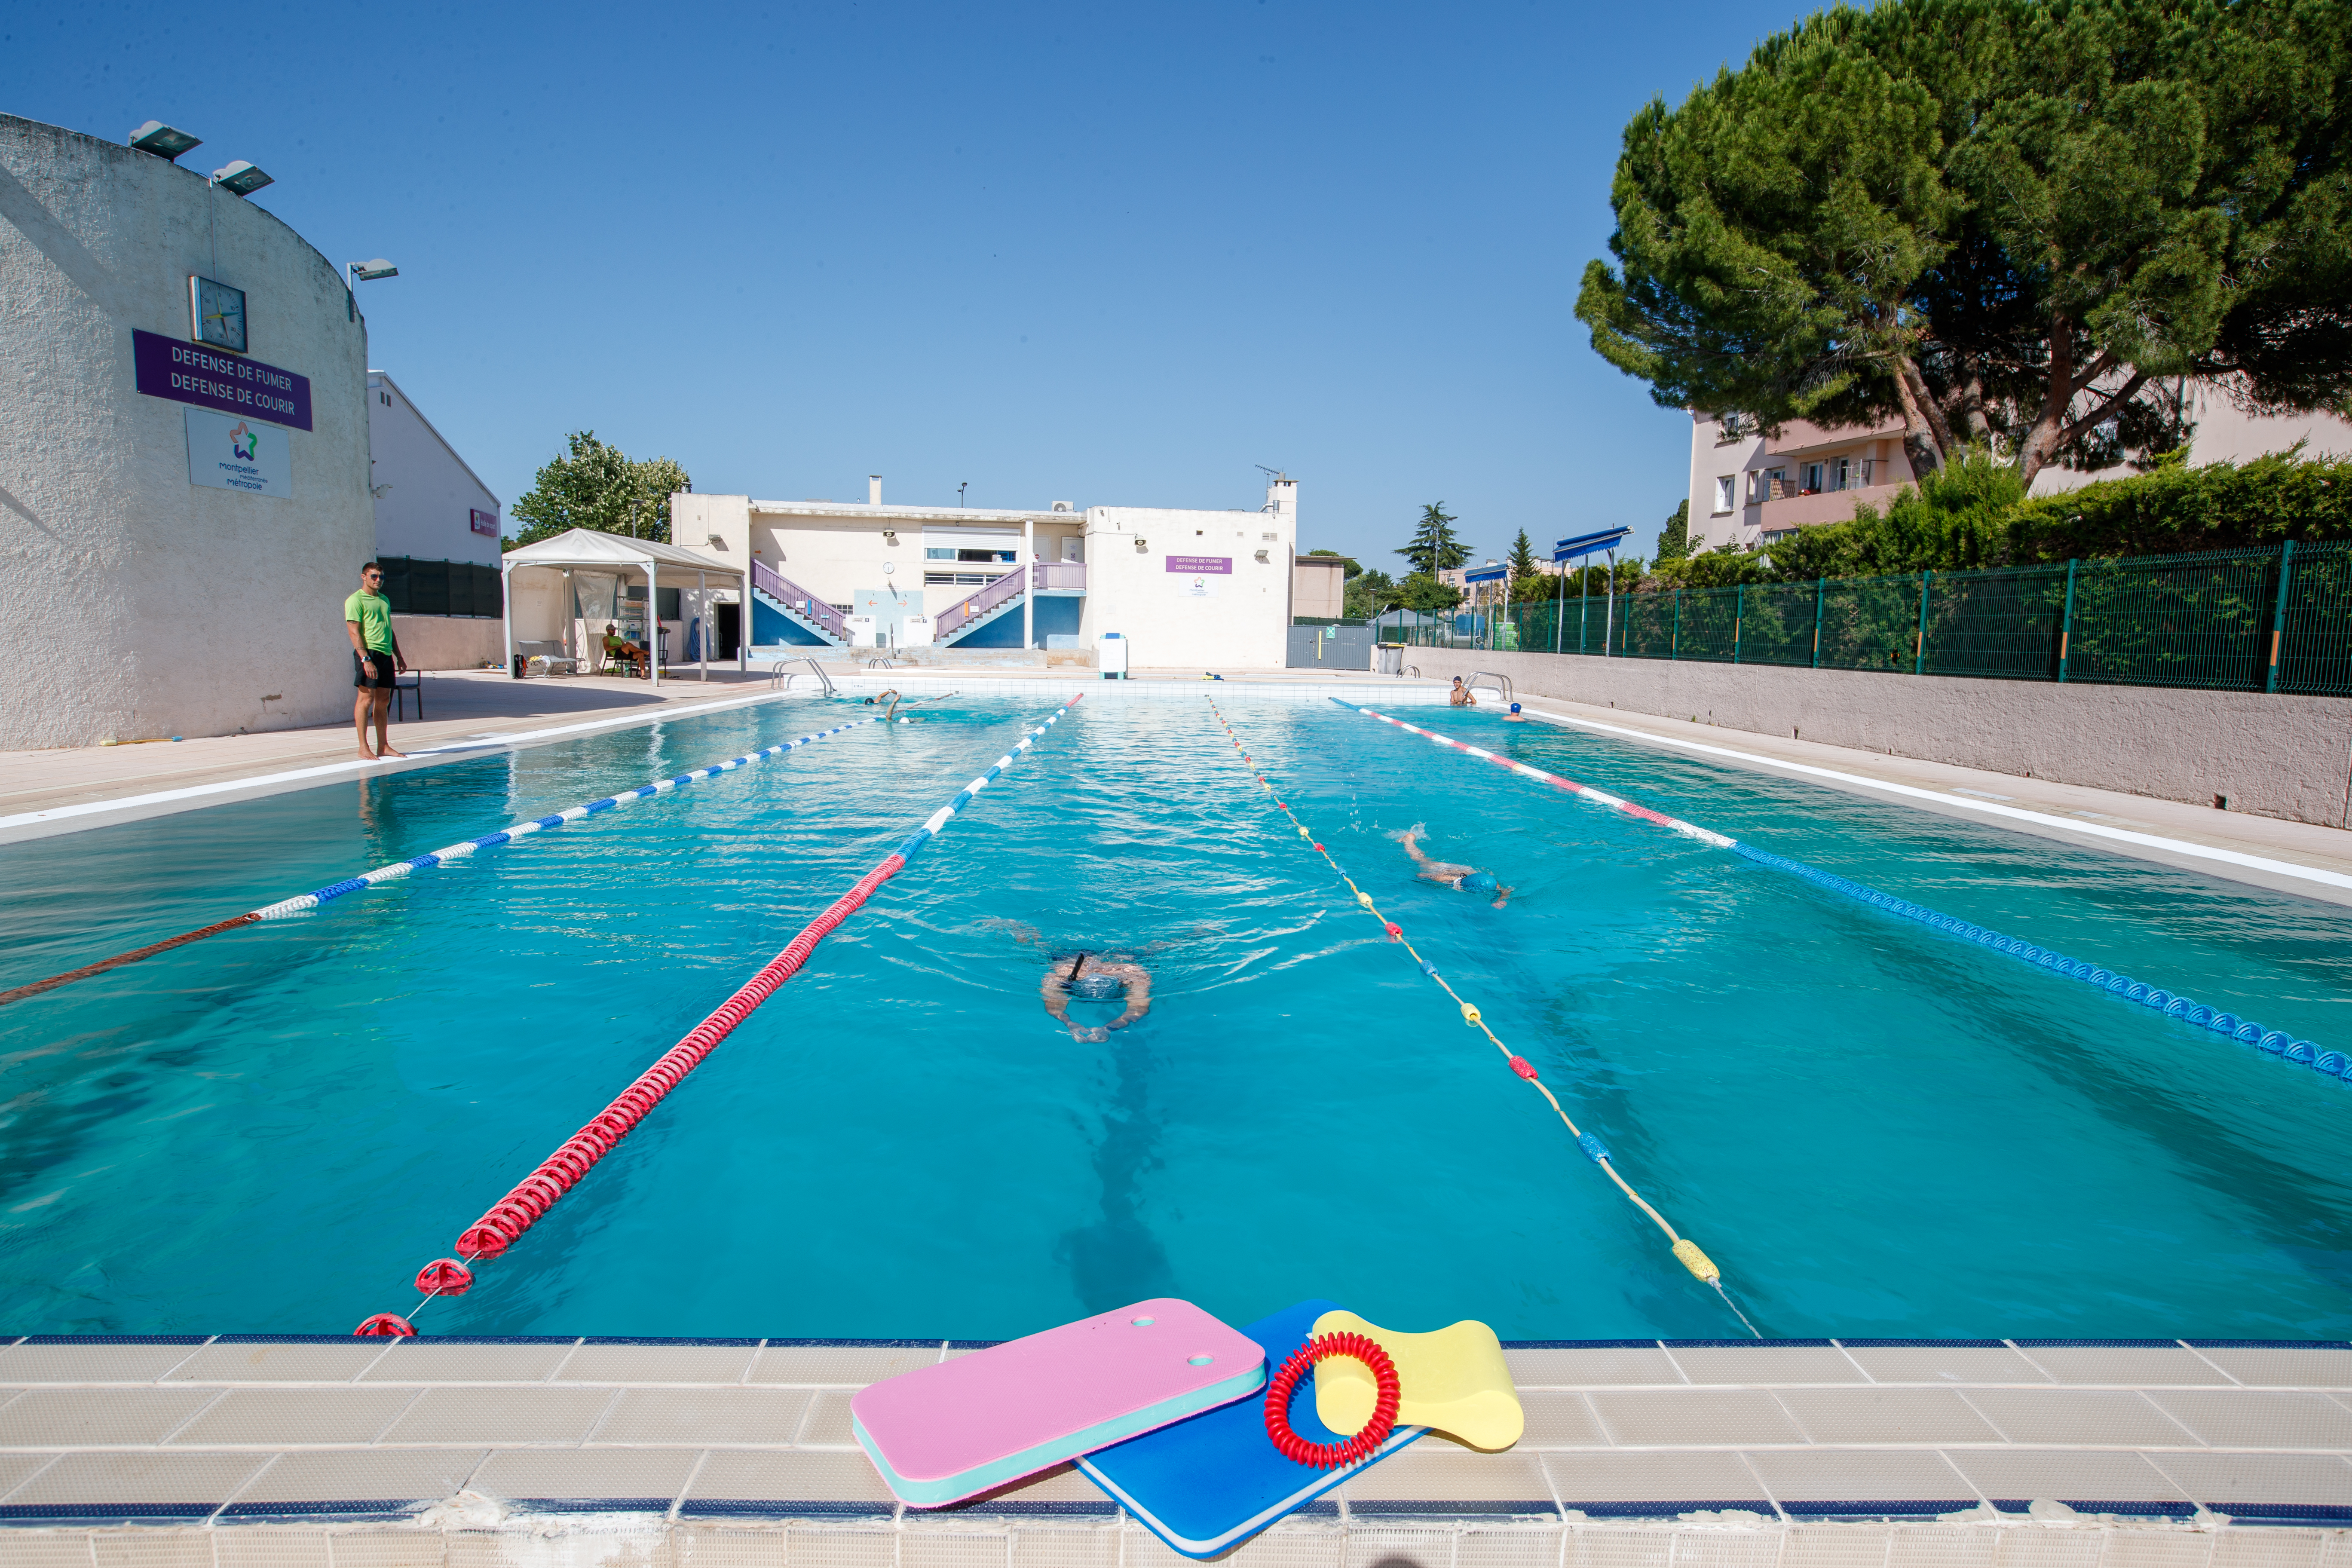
pixel 1092 977
pixel 1446 874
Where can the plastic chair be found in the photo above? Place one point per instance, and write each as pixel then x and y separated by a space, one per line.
pixel 403 684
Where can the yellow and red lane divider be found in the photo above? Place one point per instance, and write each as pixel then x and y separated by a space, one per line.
pixel 1685 1250
pixel 523 1207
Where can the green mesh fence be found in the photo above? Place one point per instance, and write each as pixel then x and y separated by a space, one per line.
pixel 2218 620
pixel 2316 643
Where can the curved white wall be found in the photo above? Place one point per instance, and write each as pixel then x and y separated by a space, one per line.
pixel 133 603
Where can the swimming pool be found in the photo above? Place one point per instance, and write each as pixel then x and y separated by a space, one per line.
pixel 1875 1129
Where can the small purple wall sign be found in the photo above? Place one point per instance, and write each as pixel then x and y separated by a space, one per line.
pixel 229 384
pixel 1201 565
pixel 484 522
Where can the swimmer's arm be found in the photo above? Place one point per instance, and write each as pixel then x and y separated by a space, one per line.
pixel 1501 898
pixel 1056 997
pixel 1139 999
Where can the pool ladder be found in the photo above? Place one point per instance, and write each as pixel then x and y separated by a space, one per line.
pixel 1500 684
pixel 779 677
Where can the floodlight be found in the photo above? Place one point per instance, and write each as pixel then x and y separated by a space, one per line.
pixel 369 271
pixel 162 140
pixel 240 178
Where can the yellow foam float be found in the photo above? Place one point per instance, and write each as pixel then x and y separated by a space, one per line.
pixel 1452 1380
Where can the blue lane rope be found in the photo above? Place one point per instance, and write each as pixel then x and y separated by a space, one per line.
pixel 311 900
pixel 2270 1042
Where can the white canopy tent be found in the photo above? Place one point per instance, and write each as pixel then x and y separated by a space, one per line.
pixel 618 554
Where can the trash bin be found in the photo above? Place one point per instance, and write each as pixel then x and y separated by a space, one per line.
pixel 1111 655
pixel 1391 657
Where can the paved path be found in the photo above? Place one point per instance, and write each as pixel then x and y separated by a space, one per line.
pixel 468 712
pixel 2057 1454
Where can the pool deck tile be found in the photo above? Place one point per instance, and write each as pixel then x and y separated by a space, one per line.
pixel 277 1416
pixel 1944 1364
pixel 739 1438
pixel 1887 1416
pixel 1687 1416
pixel 2152 1366
pixel 660 1418
pixel 1765 1364
pixel 656 1364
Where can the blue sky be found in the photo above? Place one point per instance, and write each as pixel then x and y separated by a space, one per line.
pixel 1111 255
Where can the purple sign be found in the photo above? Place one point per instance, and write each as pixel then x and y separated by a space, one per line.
pixel 484 522
pixel 1201 565
pixel 191 372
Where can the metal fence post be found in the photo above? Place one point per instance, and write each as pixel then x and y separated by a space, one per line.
pixel 2278 612
pixel 1820 585
pixel 2066 625
pixel 1919 641
pixel 1674 649
pixel 1738 616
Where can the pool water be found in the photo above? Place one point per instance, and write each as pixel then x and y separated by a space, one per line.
pixel 1873 1129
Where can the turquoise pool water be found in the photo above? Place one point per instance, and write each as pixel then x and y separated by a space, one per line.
pixel 1875 1129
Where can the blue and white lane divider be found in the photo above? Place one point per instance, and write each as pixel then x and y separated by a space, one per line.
pixel 399 868
pixel 2274 1042
pixel 939 819
pixel 311 900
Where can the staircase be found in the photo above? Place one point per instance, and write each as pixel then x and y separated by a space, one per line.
pixel 798 606
pixel 977 610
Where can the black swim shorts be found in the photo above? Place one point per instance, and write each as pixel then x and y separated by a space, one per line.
pixel 374 671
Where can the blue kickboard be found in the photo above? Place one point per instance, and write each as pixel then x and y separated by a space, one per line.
pixel 1206 1484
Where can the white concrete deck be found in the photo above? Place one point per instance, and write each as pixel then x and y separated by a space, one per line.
pixel 331 1452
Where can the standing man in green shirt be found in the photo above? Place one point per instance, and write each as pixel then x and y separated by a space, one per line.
pixel 375 659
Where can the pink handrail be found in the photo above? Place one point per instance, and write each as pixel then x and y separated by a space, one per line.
pixel 785 591
pixel 956 616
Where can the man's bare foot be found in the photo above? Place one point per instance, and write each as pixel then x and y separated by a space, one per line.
pixel 366 755
pixel 388 751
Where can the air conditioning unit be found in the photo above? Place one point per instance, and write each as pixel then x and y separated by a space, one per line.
pixel 1063 506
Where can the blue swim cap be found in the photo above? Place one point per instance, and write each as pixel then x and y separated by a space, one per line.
pixel 1479 883
pixel 1515 707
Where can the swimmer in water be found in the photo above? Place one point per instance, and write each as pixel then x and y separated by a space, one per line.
pixel 1461 878
pixel 1094 977
pixel 1515 716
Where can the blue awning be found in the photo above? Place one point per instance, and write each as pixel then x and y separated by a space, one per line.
pixel 1486 574
pixel 1586 543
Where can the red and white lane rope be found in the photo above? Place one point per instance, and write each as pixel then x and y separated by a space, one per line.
pixel 503 1223
pixel 1686 1251
pixel 302 902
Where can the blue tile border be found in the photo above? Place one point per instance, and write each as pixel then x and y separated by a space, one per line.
pixel 1749 1344
pixel 190 1340
pixel 2098 1344
pixel 809 1343
pixel 1668 1509
pixel 1884 1508
pixel 2327 1513
pixel 356 1509
pixel 1923 1344
pixel 648 1339
pixel 107 1513
pixel 592 1504
pixel 1453 1508
pixel 1019 1509
pixel 781 1508
pixel 2131 1507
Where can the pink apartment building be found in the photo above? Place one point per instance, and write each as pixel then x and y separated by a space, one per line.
pixel 1749 488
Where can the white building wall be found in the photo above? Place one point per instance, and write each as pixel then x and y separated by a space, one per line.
pixel 1712 458
pixel 133 603
pixel 1189 620
pixel 429 495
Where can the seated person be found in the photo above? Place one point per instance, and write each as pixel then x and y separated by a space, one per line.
pixel 618 648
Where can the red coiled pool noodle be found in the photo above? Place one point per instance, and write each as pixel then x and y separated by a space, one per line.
pixel 1331 1455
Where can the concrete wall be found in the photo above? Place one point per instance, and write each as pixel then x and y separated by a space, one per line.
pixel 133 603
pixel 446 642
pixel 2276 756
pixel 430 494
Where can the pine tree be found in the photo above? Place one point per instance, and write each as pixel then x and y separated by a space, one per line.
pixel 1434 547
pixel 1674 539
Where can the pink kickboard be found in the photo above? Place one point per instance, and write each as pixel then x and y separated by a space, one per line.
pixel 1036 1402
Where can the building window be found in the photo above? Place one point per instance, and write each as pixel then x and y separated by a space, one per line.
pixel 1735 427
pixel 1724 493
